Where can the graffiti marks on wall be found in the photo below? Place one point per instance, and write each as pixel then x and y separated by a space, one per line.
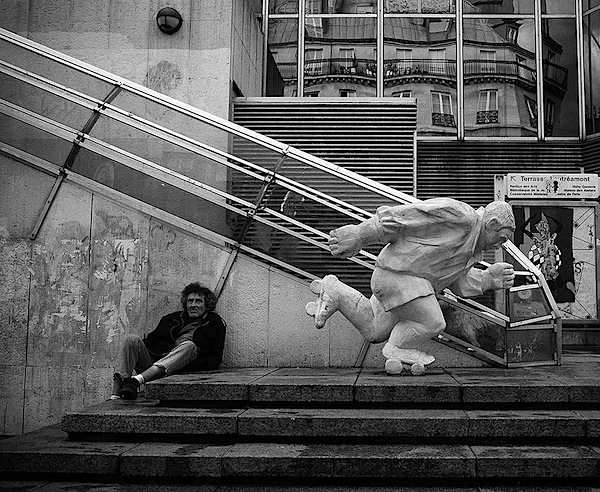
pixel 117 283
pixel 59 294
pixel 15 274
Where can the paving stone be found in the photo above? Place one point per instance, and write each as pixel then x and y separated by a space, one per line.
pixel 353 423
pixel 579 374
pixel 9 486
pixel 143 417
pixel 49 451
pixel 537 462
pixel 222 385
pixel 165 460
pixel 592 420
pixel 21 485
pixel 435 386
pixel 348 461
pixel 101 487
pixel 305 385
pixel 332 403
pixel 525 424
pixel 509 386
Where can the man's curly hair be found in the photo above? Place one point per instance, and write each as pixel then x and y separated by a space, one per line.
pixel 210 300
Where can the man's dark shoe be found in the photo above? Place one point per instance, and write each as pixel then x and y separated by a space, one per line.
pixel 129 389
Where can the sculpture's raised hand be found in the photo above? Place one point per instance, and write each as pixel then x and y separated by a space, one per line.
pixel 345 241
pixel 500 275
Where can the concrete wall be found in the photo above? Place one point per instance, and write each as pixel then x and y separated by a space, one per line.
pixel 99 270
pixel 219 40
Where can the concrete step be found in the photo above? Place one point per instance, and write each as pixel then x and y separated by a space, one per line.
pixel 533 387
pixel 160 486
pixel 48 453
pixel 148 420
pixel 326 427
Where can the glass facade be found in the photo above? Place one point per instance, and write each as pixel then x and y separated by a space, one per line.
pixel 477 68
pixel 591 67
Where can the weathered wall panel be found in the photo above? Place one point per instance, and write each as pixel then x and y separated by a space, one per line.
pixel 244 304
pixel 118 279
pixel 344 340
pixel 12 381
pixel 59 288
pixel 50 391
pixel 176 259
pixel 23 192
pixel 293 339
pixel 15 275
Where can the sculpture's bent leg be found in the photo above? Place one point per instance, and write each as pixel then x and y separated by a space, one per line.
pixel 421 320
pixel 367 315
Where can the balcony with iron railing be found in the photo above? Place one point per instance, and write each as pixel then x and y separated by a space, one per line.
pixel 399 71
pixel 365 68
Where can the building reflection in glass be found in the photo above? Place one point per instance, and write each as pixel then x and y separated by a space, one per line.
pixel 340 57
pixel 499 78
pixel 591 70
pixel 283 47
pixel 500 89
pixel 420 62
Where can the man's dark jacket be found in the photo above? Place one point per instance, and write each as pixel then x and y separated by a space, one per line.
pixel 209 337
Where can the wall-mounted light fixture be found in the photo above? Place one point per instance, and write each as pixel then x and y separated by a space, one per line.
pixel 169 20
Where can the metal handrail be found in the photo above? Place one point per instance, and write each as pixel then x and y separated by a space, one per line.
pixel 207 118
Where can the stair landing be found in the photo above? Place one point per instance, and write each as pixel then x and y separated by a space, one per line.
pixel 463 429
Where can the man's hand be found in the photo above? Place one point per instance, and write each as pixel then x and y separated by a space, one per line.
pixel 498 276
pixel 345 241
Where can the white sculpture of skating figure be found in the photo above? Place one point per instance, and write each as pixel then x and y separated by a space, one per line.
pixel 429 246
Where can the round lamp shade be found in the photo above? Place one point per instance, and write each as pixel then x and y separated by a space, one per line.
pixel 169 20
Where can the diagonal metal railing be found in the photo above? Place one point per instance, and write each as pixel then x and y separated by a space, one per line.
pixel 257 195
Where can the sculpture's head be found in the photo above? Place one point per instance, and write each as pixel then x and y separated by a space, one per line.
pixel 498 224
pixel 197 300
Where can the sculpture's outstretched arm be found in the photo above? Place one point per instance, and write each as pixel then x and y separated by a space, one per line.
pixel 348 240
pixel 497 276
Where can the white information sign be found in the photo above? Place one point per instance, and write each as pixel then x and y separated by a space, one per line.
pixel 569 186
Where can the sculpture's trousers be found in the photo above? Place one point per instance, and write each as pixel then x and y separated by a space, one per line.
pixel 406 326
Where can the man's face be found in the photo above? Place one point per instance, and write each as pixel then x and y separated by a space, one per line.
pixel 195 305
pixel 495 236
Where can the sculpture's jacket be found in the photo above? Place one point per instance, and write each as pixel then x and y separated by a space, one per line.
pixel 435 239
pixel 209 337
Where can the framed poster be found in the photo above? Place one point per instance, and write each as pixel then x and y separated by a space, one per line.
pixel 559 237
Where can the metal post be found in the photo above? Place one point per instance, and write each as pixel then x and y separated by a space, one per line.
pixel 87 128
pixel 460 86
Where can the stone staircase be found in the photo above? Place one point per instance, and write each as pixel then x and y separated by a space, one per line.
pixel 326 427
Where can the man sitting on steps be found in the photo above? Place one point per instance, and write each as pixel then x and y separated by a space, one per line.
pixel 430 245
pixel 191 340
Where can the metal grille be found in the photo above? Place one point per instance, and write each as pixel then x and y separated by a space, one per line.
pixel 465 170
pixel 591 155
pixel 372 137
